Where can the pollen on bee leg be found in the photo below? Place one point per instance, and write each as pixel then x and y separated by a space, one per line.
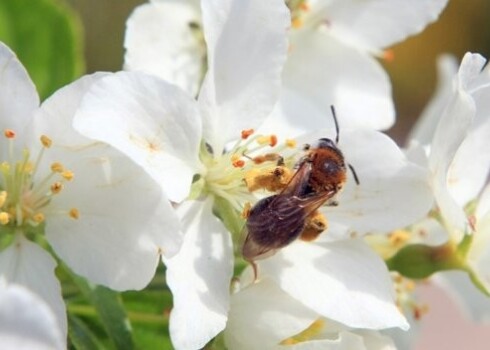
pixel 272 179
pixel 315 225
pixel 74 213
pixel 246 210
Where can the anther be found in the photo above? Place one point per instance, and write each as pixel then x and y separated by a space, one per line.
pixel 46 141
pixel 57 167
pixel 56 187
pixel 291 143
pixel 239 163
pixel 38 218
pixel 297 23
pixel 68 175
pixel 74 213
pixel 247 133
pixel 273 140
pixel 9 133
pixel 4 218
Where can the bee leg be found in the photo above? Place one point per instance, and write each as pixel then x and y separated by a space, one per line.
pixel 315 225
pixel 256 271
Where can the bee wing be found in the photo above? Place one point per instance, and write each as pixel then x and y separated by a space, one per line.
pixel 315 201
pixel 273 223
pixel 299 181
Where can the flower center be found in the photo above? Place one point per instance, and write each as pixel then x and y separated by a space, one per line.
pixel 24 201
pixel 250 164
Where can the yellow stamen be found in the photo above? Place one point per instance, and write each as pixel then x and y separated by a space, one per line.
pixel 314 329
pixel 46 141
pixel 56 187
pixel 39 217
pixel 68 175
pixel 291 143
pixel 3 198
pixel 297 23
pixel 399 237
pixel 57 167
pixel 74 213
pixel 4 218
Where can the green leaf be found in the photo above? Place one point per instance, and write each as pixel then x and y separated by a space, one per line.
pixel 81 337
pixel 47 37
pixel 110 309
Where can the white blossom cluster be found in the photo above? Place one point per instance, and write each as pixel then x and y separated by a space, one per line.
pixel 119 170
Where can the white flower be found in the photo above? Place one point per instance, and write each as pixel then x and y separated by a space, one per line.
pixel 262 316
pixel 99 212
pixel 190 147
pixel 455 131
pixel 170 135
pixel 329 61
pixel 458 125
pixel 27 322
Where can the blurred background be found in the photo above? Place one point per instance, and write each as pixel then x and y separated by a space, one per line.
pixel 463 26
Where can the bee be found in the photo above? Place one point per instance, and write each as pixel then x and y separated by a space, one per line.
pixel 276 221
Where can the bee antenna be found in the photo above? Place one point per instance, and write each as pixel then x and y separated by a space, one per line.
pixel 353 171
pixel 334 115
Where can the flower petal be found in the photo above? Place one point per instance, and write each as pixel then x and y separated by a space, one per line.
pixel 152 122
pixel 244 68
pixel 262 315
pixel 471 301
pixel 345 340
pixel 478 258
pixel 26 264
pixel 164 38
pixel 392 192
pixel 451 131
pixel 18 95
pixel 199 277
pixel 125 222
pixel 342 280
pixel 27 322
pixel 372 25
pixel 423 130
pixel 361 94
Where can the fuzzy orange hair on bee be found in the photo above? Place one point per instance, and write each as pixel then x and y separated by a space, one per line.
pixel 276 221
